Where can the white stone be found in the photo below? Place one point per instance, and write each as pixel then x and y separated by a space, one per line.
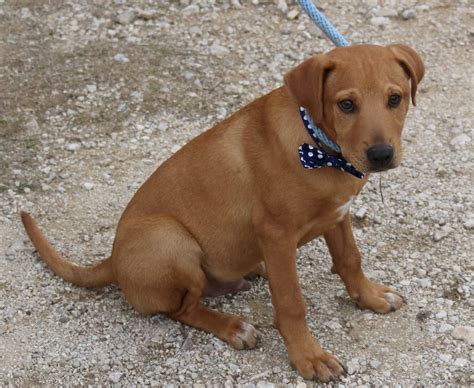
pixel 445 327
pixel 469 224
pixel 73 146
pixel 375 364
pixel 292 14
pixel 88 185
pixel 115 376
pixel 219 50
pixel 445 357
pixel 465 333
pixel 190 9
pixel 121 58
pixel 92 88
pixel 379 21
pixel 126 17
pixel 408 14
pixel 462 362
pixel 442 315
pixel 360 213
pixel 461 140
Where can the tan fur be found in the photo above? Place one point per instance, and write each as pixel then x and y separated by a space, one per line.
pixel 236 198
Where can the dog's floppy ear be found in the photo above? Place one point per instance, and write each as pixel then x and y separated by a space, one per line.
pixel 305 84
pixel 411 63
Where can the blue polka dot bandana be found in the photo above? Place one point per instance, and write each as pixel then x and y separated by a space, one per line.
pixel 316 157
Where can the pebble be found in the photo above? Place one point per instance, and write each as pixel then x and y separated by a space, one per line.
pixel 293 14
pixel 469 223
pixel 408 14
pixel 92 88
pixel 379 21
pixel 126 17
pixel 360 213
pixel 115 376
pixel 445 327
pixel 121 58
pixel 73 146
pixel 462 362
pixel 465 333
pixel 88 185
pixel 445 357
pixel 442 233
pixel 352 367
pixel 15 247
pixel 219 50
pixel 460 140
pixel 190 9
pixel 375 364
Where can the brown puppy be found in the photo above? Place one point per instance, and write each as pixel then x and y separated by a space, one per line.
pixel 236 199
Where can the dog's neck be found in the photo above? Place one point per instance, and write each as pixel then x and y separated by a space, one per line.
pixel 320 135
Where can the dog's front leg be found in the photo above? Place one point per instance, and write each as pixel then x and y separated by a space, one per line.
pixel 304 352
pixel 346 263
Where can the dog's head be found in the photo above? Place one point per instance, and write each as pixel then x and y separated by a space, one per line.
pixel 360 96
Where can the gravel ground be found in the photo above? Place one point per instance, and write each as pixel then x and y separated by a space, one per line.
pixel 95 95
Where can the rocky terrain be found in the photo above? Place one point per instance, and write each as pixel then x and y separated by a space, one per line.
pixel 96 94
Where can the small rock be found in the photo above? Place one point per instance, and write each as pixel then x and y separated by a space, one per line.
pixel 333 325
pixel 465 333
pixel 360 213
pixel 219 50
pixel 408 14
pixel 162 126
pixel 441 315
pixel 126 17
pixel 88 185
pixel 171 361
pixel 445 357
pixel 175 148
pixel 375 364
pixel 92 88
pixel 445 327
pixel 121 107
pixel 293 14
pixel 442 233
pixel 265 384
pixel 190 9
pixel 469 224
pixel 424 283
pixel 115 376
pixel 76 363
pixel 386 12
pixel 462 362
pixel 15 247
pixel 379 21
pixel 32 125
pixel 121 58
pixel 73 147
pixel 352 367
pixel 461 140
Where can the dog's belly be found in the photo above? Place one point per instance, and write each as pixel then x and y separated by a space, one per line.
pixel 233 256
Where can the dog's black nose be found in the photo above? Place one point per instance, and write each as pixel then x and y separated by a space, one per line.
pixel 380 155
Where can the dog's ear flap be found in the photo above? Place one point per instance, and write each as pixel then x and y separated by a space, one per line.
pixel 305 83
pixel 411 63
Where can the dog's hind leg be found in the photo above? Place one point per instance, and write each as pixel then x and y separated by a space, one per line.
pixel 158 267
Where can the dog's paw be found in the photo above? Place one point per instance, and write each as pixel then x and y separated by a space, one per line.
pixel 313 363
pixel 378 298
pixel 242 335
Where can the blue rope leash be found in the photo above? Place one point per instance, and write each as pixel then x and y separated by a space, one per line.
pixel 325 25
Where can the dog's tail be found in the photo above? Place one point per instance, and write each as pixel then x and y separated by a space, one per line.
pixel 98 276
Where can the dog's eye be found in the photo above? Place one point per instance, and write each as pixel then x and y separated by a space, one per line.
pixel 394 100
pixel 347 106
